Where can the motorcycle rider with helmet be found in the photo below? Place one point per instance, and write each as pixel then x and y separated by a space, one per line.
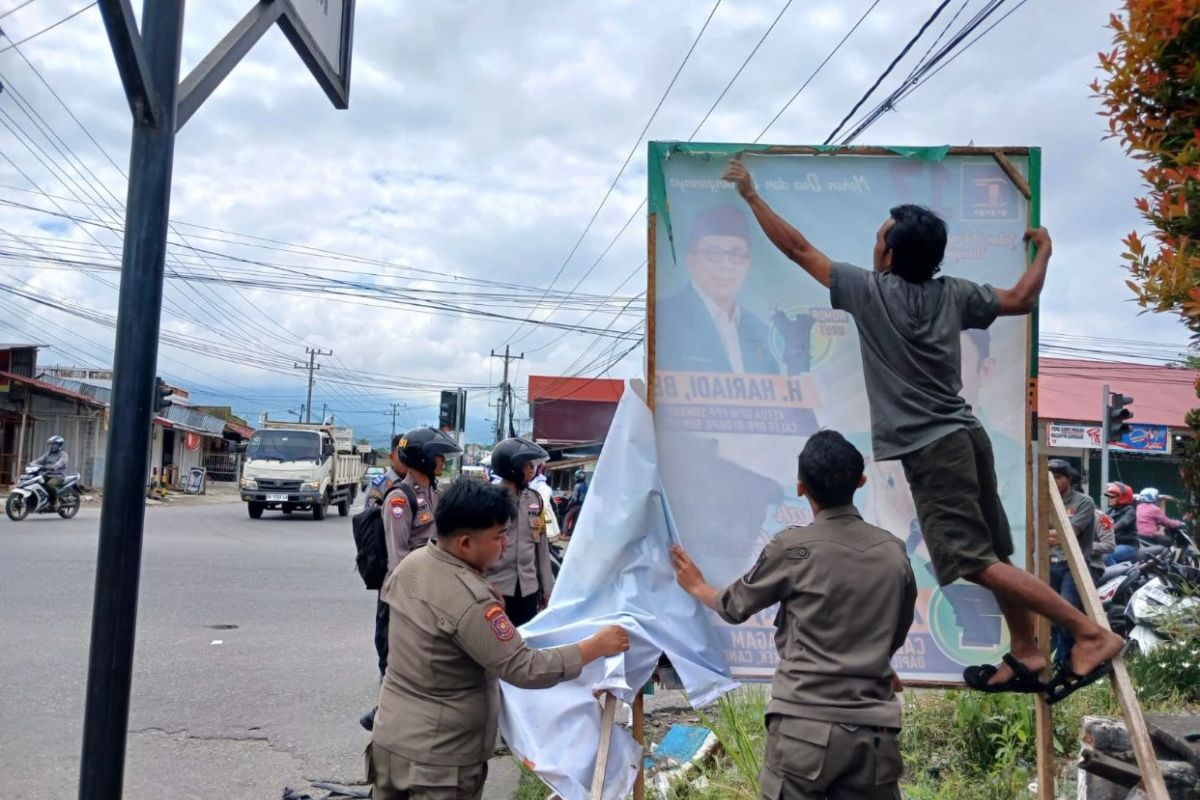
pixel 575 505
pixel 54 461
pixel 1150 517
pixel 1124 517
pixel 523 576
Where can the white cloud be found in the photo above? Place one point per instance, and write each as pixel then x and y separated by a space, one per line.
pixel 482 135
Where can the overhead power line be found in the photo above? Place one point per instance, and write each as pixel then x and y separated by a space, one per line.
pixel 888 70
pixel 613 185
pixel 47 29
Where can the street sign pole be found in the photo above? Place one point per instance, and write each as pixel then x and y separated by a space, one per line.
pixel 118 564
pixel 148 63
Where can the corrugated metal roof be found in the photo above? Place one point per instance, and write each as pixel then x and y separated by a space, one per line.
pixel 545 387
pixel 54 388
pixel 1073 390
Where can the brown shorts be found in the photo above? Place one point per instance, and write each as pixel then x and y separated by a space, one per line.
pixel 393 777
pixel 810 759
pixel 953 483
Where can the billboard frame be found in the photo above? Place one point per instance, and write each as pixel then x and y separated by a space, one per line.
pixel 658 152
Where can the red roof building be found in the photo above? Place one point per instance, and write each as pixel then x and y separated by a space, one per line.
pixel 1073 390
pixel 572 410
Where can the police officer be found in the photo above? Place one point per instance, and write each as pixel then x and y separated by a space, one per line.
pixel 847 596
pixel 384 483
pixel 450 642
pixel 408 516
pixel 523 576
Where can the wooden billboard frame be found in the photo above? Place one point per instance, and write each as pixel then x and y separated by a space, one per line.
pixel 1036 505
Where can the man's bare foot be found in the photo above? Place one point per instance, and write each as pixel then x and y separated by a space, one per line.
pixel 1034 661
pixel 1091 651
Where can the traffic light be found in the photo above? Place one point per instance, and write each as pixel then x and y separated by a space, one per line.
pixel 1117 415
pixel 160 396
pixel 448 411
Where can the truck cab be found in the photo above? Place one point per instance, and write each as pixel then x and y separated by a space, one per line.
pixel 294 466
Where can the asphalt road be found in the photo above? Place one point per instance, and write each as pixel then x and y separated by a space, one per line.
pixel 254 655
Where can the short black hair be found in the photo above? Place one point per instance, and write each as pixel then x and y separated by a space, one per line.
pixel 917 242
pixel 396 441
pixel 830 468
pixel 469 506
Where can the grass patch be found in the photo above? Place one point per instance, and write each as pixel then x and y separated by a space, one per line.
pixel 531 786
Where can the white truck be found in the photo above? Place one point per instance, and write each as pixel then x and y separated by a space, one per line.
pixel 294 466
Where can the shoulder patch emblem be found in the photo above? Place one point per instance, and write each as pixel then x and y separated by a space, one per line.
pixel 501 625
pixel 397 505
pixel 800 552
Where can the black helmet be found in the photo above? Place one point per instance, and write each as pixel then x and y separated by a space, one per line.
pixel 55 442
pixel 420 448
pixel 510 457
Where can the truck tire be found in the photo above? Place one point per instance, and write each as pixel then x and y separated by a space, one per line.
pixel 319 510
pixel 255 510
pixel 344 507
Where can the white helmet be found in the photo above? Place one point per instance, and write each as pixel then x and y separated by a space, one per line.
pixel 1148 495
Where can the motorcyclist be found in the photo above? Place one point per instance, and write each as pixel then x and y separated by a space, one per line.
pixel 1124 516
pixel 54 465
pixel 1150 517
pixel 578 494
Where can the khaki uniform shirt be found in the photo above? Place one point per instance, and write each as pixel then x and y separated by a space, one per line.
pixel 449 641
pixel 526 562
pixel 847 594
pixel 407 529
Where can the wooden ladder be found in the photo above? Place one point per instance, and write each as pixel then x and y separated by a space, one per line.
pixel 1054 513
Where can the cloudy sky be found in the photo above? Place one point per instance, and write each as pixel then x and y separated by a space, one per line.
pixel 480 140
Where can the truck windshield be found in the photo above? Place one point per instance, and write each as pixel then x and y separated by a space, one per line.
pixel 269 445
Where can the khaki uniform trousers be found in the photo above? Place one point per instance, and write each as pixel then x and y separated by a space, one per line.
pixel 811 760
pixel 394 777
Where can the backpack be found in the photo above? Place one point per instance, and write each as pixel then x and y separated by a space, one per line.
pixel 371 557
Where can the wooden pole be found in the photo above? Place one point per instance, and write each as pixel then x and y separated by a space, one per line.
pixel 1040 564
pixel 1135 723
pixel 606 726
pixel 639 735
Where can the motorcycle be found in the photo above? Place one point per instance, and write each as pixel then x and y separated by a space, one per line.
pixel 30 496
pixel 1139 595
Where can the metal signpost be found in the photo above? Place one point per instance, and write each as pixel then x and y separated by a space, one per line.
pixel 148 63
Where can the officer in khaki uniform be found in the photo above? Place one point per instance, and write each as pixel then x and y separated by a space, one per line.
pixel 383 484
pixel 524 576
pixel 847 595
pixel 408 509
pixel 449 643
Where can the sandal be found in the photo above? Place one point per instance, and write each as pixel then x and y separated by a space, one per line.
pixel 1023 681
pixel 1066 681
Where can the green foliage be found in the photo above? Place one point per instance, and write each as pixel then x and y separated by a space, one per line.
pixel 1170 675
pixel 738 725
pixel 531 786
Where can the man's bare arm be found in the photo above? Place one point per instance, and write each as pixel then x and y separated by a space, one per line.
pixel 781 233
pixel 1022 297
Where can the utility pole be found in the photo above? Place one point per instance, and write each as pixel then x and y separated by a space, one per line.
pixel 505 402
pixel 395 407
pixel 312 366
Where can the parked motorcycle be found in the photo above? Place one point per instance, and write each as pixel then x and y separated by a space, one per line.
pixel 30 496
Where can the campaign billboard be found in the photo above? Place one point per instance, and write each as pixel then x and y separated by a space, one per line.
pixel 749 359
